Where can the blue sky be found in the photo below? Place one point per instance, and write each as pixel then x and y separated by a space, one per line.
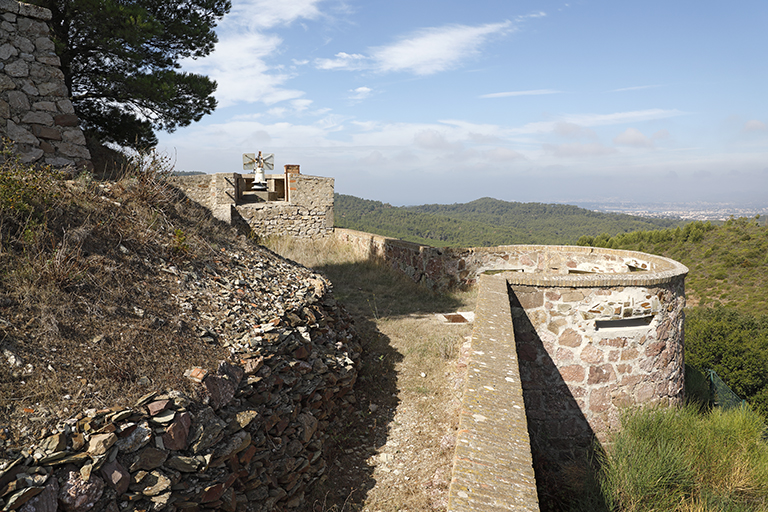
pixel 413 102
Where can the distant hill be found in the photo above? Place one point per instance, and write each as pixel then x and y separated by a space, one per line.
pixel 486 222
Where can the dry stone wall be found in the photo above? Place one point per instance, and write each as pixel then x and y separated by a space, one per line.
pixel 37 114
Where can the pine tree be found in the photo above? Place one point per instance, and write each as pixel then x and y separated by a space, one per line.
pixel 120 60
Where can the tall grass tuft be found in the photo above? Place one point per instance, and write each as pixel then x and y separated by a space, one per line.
pixel 682 459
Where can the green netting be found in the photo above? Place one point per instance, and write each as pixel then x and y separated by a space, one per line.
pixel 707 388
pixel 722 395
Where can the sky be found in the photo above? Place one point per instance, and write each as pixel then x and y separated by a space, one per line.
pixel 424 101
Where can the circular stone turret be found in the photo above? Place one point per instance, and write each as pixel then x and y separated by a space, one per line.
pixel 597 330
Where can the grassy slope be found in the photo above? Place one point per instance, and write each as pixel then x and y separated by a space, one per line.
pixel 485 222
pixel 86 310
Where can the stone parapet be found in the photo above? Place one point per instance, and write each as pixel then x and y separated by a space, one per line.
pixel 279 219
pixel 595 331
pixel 492 467
pixel 533 265
pixel 36 111
pixel 307 213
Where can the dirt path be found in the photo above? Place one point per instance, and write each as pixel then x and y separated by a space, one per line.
pixel 397 453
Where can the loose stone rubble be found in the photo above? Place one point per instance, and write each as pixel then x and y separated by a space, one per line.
pixel 254 441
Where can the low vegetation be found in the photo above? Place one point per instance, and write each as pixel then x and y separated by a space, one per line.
pixel 85 320
pixel 728 263
pixel 683 459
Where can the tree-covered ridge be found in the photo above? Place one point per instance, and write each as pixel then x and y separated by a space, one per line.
pixel 484 222
pixel 728 264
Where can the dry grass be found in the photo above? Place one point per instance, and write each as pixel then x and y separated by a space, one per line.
pixel 85 312
pixel 396 453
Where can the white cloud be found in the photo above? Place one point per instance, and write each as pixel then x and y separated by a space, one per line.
pixel 598 120
pixel 424 52
pixel 573 131
pixel 360 93
pixel 432 50
pixel 239 61
pixel 261 14
pixel 634 138
pixel 539 14
pixel 577 150
pixel 347 61
pixel 535 92
pixel 754 126
pixel 622 117
pixel 434 140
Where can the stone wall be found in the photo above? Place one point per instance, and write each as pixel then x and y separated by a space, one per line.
pixel 308 212
pixel 37 114
pixel 275 219
pixel 586 352
pixel 449 267
pixel 492 466
pixel 595 330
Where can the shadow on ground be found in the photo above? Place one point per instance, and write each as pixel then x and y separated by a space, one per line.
pixel 369 292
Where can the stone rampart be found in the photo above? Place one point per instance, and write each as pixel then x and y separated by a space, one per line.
pixel 492 468
pixel 595 330
pixel 37 114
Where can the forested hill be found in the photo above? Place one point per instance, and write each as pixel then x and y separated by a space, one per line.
pixel 486 222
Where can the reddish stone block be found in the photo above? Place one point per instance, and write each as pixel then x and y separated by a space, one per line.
pixel 601 374
pixel 570 338
pixel 600 400
pixel 592 355
pixel 629 354
pixel 573 373
pixel 655 349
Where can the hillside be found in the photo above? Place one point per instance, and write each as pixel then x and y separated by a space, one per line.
pixel 486 222
pixel 152 354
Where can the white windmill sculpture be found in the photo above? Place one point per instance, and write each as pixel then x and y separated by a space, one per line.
pixel 258 164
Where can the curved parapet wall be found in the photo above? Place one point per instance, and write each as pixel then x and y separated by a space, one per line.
pixel 448 267
pixel 592 344
pixel 596 330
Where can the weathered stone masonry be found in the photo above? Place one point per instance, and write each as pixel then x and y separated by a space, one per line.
pixel 37 114
pixel 296 205
pixel 595 330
